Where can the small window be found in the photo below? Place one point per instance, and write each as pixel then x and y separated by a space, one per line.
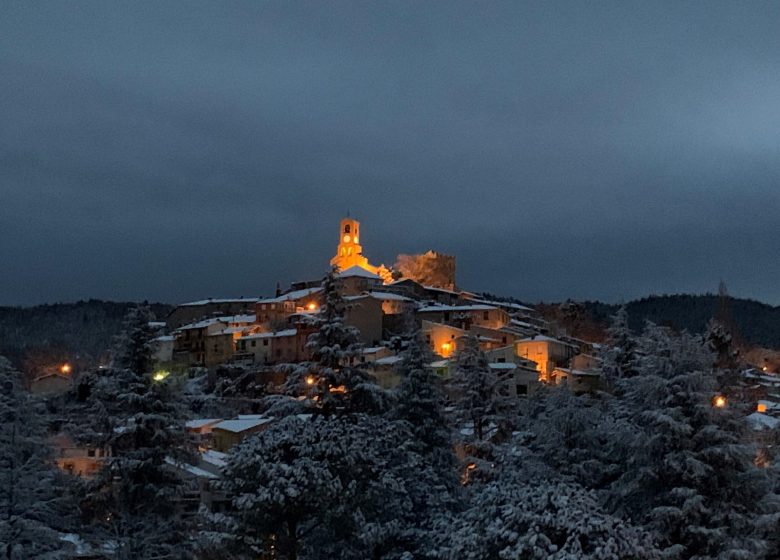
pixel 254 343
pixel 503 340
pixel 501 361
pixel 522 390
pixel 347 229
pixel 90 452
pixel 265 342
pixel 486 315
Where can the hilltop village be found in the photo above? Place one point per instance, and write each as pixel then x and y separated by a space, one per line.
pixel 356 414
pixel 269 331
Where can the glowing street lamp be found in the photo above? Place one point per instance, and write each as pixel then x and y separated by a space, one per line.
pixel 160 375
pixel 312 306
pixel 65 369
pixel 310 381
pixel 719 401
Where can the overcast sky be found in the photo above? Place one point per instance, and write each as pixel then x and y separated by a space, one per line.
pixel 174 151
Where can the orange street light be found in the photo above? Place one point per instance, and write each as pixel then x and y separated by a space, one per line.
pixel 65 368
pixel 719 401
pixel 312 306
pixel 310 380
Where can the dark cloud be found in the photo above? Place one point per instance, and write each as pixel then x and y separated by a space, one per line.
pixel 172 151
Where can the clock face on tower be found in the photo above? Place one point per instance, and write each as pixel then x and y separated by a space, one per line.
pixel 347 239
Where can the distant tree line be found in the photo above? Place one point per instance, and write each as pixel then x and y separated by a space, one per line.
pixel 33 336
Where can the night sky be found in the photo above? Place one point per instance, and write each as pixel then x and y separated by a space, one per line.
pixel 176 151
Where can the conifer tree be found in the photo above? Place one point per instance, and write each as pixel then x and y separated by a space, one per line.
pixel 322 487
pixel 332 380
pixel 420 398
pixel 690 477
pixel 30 487
pixel 482 398
pixel 619 353
pixel 132 502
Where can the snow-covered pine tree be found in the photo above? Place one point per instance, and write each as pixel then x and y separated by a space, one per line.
pixel 132 501
pixel 419 398
pixel 581 436
pixel 332 380
pixel 536 519
pixel 720 343
pixel 690 477
pixel 431 483
pixel 322 487
pixel 30 487
pixel 618 354
pixel 483 401
pixel 133 347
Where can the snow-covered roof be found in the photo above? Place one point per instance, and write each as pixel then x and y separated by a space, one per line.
pixel 389 296
pixel 215 458
pixel 358 271
pixel 544 338
pixel 210 300
pixel 238 426
pixel 201 422
pixel 192 469
pixel 201 324
pixel 503 365
pixel 164 338
pixel 388 360
pixel 277 334
pixel 443 290
pixel 759 421
pixel 439 363
pixel 508 304
pixel 248 318
pixel 580 372
pixel 373 349
pixel 289 296
pixel 475 307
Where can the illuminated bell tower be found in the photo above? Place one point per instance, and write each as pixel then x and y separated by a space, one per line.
pixel 349 252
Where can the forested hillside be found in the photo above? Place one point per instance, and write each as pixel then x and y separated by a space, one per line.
pixel 756 323
pixel 81 330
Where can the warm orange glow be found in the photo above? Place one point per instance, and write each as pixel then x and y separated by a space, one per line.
pixel 761 407
pixel 312 306
pixel 445 348
pixel 310 380
pixel 719 401
pixel 347 239
pixel 65 368
pixel 338 389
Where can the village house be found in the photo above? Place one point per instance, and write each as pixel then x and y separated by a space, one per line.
pixel 364 312
pixel 78 460
pixel 163 347
pixel 229 433
pixel 268 348
pixel 465 316
pixel 356 280
pixel 548 353
pixel 51 384
pixel 195 311
pixel 278 310
pixel 204 343
pixel 577 380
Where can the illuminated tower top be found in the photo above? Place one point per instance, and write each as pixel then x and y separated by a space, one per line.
pixel 349 252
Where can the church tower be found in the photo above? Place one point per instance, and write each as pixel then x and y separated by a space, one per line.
pixel 349 252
